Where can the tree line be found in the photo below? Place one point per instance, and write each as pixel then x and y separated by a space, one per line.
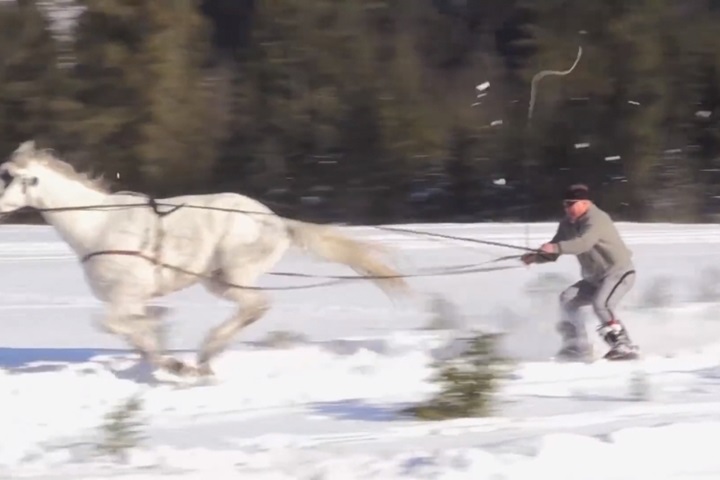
pixel 366 111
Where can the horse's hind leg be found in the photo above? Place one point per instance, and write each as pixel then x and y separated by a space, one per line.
pixel 253 304
pixel 235 282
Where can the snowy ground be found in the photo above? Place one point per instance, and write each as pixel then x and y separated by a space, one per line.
pixel 326 408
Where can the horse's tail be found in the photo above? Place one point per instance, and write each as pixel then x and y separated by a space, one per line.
pixel 330 244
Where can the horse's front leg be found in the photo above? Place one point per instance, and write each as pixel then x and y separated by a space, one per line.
pixel 141 332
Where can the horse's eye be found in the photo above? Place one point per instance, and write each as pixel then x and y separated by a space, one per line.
pixel 6 178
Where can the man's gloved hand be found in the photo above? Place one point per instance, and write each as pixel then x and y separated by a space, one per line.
pixel 529 258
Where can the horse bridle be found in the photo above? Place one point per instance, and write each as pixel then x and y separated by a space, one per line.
pixel 7 179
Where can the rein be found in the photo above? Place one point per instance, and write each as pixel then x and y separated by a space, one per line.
pixel 330 279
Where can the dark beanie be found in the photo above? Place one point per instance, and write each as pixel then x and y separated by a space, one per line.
pixel 577 192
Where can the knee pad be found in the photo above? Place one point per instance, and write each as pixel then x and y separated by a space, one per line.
pixel 565 298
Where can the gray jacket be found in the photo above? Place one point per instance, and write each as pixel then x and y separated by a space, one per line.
pixel 596 242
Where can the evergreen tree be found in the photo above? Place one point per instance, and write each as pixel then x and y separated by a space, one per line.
pixel 177 135
pixel 29 76
pixel 109 81
pixel 139 79
pixel 467 382
pixel 368 106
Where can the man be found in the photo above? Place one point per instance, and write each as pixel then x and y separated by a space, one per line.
pixel 607 271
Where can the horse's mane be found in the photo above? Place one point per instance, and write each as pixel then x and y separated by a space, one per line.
pixel 49 160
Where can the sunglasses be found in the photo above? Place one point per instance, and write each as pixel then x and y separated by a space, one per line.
pixel 569 203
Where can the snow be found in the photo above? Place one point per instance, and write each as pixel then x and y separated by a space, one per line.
pixel 327 406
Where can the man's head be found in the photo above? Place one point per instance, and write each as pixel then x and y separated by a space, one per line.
pixel 576 201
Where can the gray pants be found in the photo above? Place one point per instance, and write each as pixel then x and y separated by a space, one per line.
pixel 604 298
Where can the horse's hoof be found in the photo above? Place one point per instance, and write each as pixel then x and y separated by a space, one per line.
pixel 178 367
pixel 204 370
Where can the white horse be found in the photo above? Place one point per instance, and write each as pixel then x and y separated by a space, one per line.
pixel 131 255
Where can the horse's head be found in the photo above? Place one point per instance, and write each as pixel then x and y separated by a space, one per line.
pixel 20 178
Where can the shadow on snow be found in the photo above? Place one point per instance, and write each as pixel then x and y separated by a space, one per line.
pixel 123 363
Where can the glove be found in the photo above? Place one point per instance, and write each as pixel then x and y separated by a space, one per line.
pixel 529 258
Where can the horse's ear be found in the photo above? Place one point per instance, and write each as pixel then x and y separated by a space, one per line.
pixel 27 147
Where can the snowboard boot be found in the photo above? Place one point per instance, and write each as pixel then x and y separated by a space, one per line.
pixel 621 347
pixel 575 347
